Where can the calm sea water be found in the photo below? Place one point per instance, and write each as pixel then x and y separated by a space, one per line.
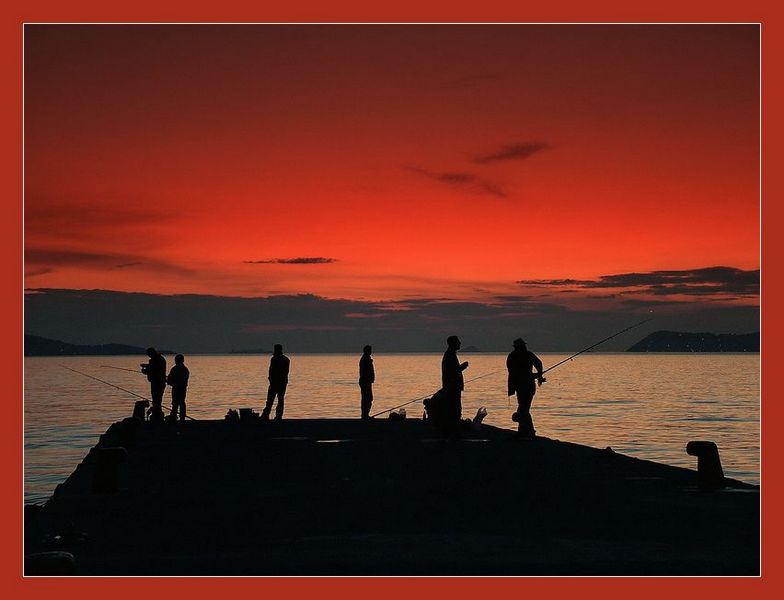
pixel 643 405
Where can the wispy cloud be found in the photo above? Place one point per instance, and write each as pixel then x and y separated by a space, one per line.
pixel 461 179
pixel 43 260
pixel 35 272
pixel 513 151
pixel 299 260
pixel 690 282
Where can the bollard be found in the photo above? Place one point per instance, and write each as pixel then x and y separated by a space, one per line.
pixel 107 466
pixel 709 471
pixel 49 563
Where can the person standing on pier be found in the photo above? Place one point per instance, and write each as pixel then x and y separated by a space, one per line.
pixel 155 369
pixel 178 381
pixel 520 364
pixel 278 380
pixel 452 383
pixel 367 376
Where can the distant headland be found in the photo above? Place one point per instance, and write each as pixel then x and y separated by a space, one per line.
pixel 679 341
pixel 40 346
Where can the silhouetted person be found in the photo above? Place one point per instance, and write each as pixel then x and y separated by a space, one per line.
pixel 178 381
pixel 367 375
pixel 520 364
pixel 278 380
pixel 155 369
pixel 452 383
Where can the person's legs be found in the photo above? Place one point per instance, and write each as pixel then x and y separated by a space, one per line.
pixel 270 399
pixel 157 389
pixel 281 391
pixel 178 404
pixel 367 399
pixel 525 424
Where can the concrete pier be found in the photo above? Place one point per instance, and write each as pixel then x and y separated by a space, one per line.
pixel 387 497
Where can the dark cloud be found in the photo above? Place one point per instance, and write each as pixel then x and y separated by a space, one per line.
pixel 308 323
pixel 459 179
pixel 300 260
pixel 514 151
pixel 707 281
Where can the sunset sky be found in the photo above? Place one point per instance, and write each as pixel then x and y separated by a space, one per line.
pixel 584 165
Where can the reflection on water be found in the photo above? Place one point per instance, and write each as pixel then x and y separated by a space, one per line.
pixel 644 405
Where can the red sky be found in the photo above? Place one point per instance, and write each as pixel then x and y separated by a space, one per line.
pixel 422 160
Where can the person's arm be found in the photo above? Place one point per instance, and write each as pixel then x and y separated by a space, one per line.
pixel 538 366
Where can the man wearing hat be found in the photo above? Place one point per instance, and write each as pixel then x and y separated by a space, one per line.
pixel 520 364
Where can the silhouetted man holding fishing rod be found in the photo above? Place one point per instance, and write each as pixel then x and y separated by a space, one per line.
pixel 520 364
pixel 452 383
pixel 155 369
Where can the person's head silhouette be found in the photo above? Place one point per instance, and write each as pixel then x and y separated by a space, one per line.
pixel 453 342
pixel 367 350
pixel 179 359
pixel 519 343
pixel 151 352
pixel 277 350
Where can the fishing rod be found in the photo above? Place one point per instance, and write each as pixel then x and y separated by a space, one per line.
pixel 607 339
pixel 120 388
pixel 121 369
pixel 558 364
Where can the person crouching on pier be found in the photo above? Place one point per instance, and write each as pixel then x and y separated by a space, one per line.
pixel 178 381
pixel 155 369
pixel 278 380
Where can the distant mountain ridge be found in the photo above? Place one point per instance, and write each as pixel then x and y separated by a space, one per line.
pixel 679 341
pixel 40 346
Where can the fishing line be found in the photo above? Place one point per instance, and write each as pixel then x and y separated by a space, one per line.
pixel 120 388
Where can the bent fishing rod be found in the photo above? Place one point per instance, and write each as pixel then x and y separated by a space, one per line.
pixel 558 364
pixel 607 339
pixel 121 388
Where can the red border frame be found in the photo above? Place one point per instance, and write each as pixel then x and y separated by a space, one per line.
pixel 16 12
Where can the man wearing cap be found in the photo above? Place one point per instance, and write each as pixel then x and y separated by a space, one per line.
pixel 520 364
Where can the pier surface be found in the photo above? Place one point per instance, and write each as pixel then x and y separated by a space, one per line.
pixel 389 497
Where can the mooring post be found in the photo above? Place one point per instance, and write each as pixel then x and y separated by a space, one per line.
pixel 709 471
